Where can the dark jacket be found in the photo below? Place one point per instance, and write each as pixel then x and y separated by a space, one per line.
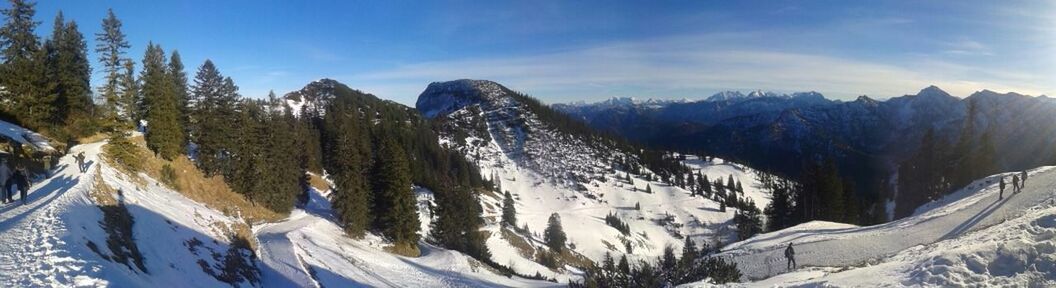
pixel 21 179
pixel 789 252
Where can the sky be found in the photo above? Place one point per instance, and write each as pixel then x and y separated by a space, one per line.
pixel 565 51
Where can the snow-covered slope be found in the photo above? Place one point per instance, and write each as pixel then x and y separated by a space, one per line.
pixel 25 136
pixel 310 250
pixel 75 231
pixel 61 238
pixel 969 238
pixel 550 171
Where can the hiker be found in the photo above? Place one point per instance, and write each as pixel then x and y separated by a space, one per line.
pixel 1015 183
pixel 5 180
pixel 80 162
pixel 1023 175
pixel 21 179
pixel 1001 195
pixel 791 255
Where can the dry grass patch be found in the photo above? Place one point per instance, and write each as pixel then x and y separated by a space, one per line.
pixel 524 248
pixel 318 182
pixel 574 259
pixel 102 193
pixel 403 249
pixel 93 138
pixel 183 176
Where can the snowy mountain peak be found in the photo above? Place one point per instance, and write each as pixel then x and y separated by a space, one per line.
pixel 314 97
pixel 866 100
pixel 760 94
pixel 725 95
pixel 445 97
pixel 933 91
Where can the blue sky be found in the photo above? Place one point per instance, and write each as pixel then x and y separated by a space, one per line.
pixel 563 51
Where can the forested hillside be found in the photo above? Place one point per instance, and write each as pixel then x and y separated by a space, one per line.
pixel 373 150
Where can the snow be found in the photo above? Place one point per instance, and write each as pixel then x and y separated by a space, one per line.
pixel 310 250
pixel 722 169
pixel 967 238
pixel 45 243
pixel 25 136
pixel 548 171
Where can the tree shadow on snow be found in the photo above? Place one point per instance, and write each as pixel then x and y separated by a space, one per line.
pixel 140 241
pixel 50 190
pixel 967 225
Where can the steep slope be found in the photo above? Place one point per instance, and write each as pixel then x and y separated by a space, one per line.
pixel 74 232
pixel 549 168
pixel 969 238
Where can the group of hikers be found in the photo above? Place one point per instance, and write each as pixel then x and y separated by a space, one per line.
pixel 1018 181
pixel 18 178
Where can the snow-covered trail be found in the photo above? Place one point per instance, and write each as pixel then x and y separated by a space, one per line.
pixel 32 252
pixel 283 266
pixel 763 256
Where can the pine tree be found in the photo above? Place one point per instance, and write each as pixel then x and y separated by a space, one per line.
pixel 668 265
pixel 830 191
pixel 923 176
pixel 648 189
pixel 111 45
pixel 686 271
pixel 748 221
pixel 164 135
pixel 129 106
pixel 458 222
pixel 23 73
pixel 346 143
pixel 69 71
pixel 706 184
pixel 509 212
pixel 778 212
pixel 554 236
pixel 731 185
pixel 394 201
pixel 215 98
pixel 176 73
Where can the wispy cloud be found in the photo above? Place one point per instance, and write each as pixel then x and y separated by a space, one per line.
pixel 694 67
pixel 968 48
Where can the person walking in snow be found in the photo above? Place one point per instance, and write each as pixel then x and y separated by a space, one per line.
pixel 1015 183
pixel 1023 177
pixel 791 255
pixel 80 162
pixel 5 180
pixel 1001 194
pixel 21 179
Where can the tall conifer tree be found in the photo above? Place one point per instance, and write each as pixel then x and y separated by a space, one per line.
pixel 394 200
pixel 23 73
pixel 164 135
pixel 111 46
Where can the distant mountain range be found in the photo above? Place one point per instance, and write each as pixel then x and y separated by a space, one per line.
pixel 867 138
